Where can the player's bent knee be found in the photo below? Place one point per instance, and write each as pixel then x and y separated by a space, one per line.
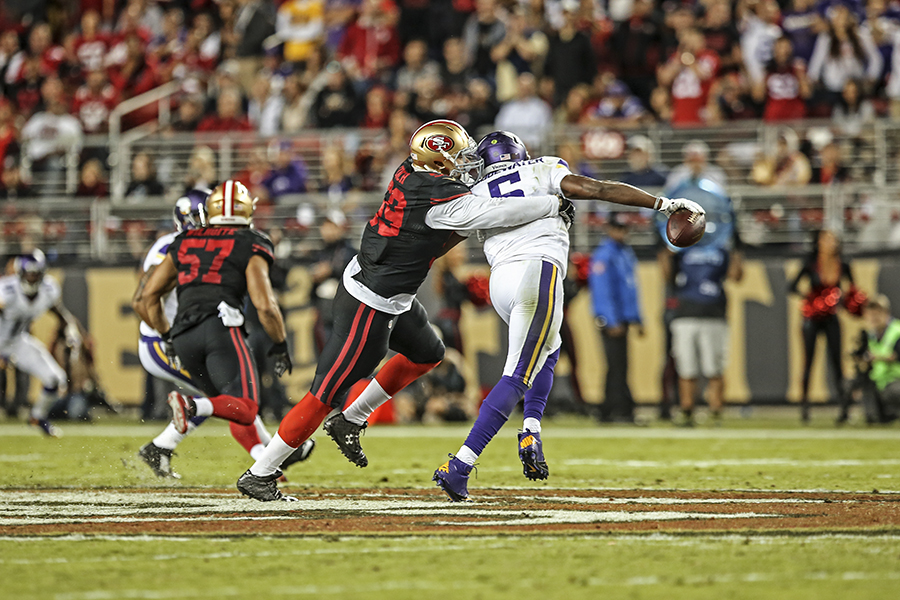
pixel 435 354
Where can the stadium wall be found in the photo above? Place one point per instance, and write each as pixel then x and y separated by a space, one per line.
pixel 766 350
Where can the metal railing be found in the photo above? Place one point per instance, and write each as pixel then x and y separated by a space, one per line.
pixel 85 230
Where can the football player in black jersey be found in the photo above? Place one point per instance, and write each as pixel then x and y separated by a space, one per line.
pixel 375 307
pixel 213 268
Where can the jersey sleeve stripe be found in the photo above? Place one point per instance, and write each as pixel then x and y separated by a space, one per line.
pixel 263 249
pixel 449 198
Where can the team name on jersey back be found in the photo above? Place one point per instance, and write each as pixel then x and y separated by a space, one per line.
pixel 212 264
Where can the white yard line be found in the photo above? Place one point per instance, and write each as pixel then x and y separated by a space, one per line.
pixel 20 508
pixel 459 432
pixel 730 462
pixel 408 585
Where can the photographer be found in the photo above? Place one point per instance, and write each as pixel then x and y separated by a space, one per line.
pixel 878 361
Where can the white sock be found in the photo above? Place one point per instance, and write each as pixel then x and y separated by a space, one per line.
pixel 170 438
pixel 204 407
pixel 531 424
pixel 271 457
pixel 256 451
pixel 467 455
pixel 261 431
pixel 371 398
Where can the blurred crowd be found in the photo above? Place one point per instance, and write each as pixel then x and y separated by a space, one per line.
pixel 279 68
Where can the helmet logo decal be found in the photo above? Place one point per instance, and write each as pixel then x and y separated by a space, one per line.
pixel 439 143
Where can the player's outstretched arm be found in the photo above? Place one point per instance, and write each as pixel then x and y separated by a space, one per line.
pixel 72 329
pixel 259 288
pixel 471 212
pixel 580 187
pixel 148 299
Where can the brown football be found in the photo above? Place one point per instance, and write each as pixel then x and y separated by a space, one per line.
pixel 685 228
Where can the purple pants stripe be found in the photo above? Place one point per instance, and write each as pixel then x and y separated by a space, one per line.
pixel 159 357
pixel 536 337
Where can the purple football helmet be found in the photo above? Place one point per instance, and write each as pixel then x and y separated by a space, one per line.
pixel 190 210
pixel 500 147
pixel 30 267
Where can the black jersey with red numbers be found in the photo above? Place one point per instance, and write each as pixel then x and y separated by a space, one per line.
pixel 397 247
pixel 212 264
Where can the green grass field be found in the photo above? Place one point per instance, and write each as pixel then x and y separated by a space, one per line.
pixel 762 454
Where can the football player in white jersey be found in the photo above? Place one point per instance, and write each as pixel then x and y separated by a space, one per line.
pixel 528 265
pixel 24 297
pixel 158 358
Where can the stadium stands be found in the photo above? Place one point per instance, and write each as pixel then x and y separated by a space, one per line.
pixel 134 101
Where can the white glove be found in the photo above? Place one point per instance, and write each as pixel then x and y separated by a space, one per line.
pixel 668 206
pixel 73 336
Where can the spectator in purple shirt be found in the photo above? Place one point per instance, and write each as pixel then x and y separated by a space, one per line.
pixel 802 23
pixel 288 175
pixel 618 108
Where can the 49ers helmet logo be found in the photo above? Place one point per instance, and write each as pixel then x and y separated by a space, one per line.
pixel 439 143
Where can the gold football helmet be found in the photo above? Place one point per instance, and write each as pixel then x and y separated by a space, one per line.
pixel 445 147
pixel 230 204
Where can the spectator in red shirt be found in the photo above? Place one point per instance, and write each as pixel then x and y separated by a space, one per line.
pixel 92 183
pixel 92 45
pixel 40 45
pixel 228 117
pixel 371 45
pixel 689 71
pixel 378 108
pixel 26 92
pixel 785 88
pixel 136 74
pixel 94 101
pixel 8 131
pixel 12 57
pixel 128 26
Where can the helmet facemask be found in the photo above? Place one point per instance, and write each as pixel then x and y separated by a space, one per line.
pixel 467 165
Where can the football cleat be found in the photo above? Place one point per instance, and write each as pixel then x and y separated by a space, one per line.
pixel 453 478
pixel 183 410
pixel 158 459
pixel 531 453
pixel 264 489
pixel 49 429
pixel 346 435
pixel 300 454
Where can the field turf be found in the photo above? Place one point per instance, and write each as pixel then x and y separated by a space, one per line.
pixel 759 508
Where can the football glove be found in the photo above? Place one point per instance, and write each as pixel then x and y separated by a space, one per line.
pixel 169 349
pixel 668 206
pixel 282 358
pixel 73 336
pixel 566 211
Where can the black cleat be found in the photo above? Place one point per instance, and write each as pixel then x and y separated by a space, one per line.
pixel 264 489
pixel 158 459
pixel 300 454
pixel 346 435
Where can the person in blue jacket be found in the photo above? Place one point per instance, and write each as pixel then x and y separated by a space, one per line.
pixel 614 296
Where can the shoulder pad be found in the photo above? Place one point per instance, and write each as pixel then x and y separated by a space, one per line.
pixel 554 160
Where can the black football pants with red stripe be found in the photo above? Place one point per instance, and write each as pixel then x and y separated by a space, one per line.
pixel 362 336
pixel 219 359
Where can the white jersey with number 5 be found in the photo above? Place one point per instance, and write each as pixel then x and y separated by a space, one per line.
pixel 544 239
